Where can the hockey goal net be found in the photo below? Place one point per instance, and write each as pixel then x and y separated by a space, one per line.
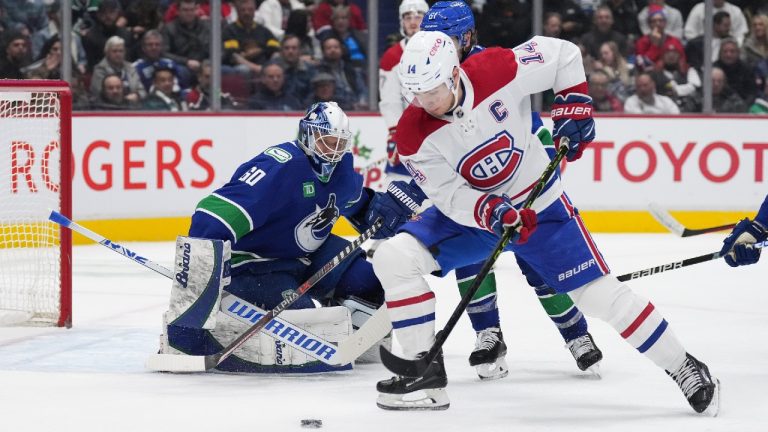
pixel 35 254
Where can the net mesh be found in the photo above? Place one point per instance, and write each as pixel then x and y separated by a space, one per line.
pixel 30 254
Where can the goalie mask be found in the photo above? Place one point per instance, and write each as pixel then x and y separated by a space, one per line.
pixel 325 137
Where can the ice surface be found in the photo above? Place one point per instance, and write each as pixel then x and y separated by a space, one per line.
pixel 91 377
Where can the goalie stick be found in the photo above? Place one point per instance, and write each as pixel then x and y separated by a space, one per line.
pixel 417 368
pixel 678 264
pixel 672 224
pixel 373 330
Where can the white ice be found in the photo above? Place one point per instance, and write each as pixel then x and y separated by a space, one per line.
pixel 91 377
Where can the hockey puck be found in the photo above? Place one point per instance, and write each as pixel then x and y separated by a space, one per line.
pixel 312 423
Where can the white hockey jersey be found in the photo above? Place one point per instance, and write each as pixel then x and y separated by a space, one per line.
pixel 391 103
pixel 485 145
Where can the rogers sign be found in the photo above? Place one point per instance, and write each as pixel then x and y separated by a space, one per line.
pixel 162 166
pixel 136 156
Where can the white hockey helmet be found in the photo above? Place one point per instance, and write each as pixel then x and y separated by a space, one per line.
pixel 427 62
pixel 419 7
pixel 325 137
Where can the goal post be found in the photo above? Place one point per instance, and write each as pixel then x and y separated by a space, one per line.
pixel 35 178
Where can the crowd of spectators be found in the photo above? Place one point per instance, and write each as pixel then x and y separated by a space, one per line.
pixel 641 56
pixel 277 55
pixel 647 57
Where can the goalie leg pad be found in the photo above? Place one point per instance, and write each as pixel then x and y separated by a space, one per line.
pixel 198 279
pixel 265 354
pixel 201 270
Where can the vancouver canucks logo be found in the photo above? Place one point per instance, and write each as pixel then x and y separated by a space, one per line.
pixel 312 231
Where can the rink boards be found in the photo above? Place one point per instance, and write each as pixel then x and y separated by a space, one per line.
pixel 139 176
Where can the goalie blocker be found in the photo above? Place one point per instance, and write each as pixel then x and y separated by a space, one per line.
pixel 199 321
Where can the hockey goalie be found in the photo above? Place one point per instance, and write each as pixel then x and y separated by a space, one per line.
pixel 262 234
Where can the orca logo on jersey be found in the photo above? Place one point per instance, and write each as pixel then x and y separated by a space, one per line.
pixel 492 163
pixel 312 231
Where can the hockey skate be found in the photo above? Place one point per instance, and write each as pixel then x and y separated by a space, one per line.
pixel 586 354
pixel 416 394
pixel 700 388
pixel 488 356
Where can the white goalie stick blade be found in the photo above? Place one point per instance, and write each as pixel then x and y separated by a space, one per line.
pixel 175 363
pixel 372 331
pixel 666 219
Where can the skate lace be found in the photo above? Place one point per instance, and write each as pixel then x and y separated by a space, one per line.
pixel 580 346
pixel 487 339
pixel 688 378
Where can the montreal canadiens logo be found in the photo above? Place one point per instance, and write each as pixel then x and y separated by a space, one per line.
pixel 492 163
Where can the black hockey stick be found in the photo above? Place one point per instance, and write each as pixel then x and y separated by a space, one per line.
pixel 678 264
pixel 417 368
pixel 679 229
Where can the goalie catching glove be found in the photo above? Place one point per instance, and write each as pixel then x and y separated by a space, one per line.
pixel 572 117
pixel 738 248
pixel 497 214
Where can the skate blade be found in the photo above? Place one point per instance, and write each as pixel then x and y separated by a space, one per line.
pixel 714 407
pixel 593 372
pixel 420 400
pixel 492 371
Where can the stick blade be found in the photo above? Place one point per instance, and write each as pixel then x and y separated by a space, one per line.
pixel 666 219
pixel 376 328
pixel 175 363
pixel 403 367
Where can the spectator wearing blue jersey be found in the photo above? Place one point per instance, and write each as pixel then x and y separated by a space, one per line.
pixel 354 40
pixel 153 58
pixel 739 247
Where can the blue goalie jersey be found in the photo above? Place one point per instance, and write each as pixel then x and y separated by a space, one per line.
pixel 275 207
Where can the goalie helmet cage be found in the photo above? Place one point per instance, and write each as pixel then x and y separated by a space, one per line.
pixel 35 178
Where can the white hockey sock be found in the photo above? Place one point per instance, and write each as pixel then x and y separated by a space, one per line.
pixel 400 264
pixel 636 319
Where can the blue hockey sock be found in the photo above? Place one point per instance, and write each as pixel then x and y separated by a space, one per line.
pixel 482 310
pixel 568 319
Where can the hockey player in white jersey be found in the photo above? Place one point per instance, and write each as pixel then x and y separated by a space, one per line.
pixel 467 142
pixel 455 19
pixel 393 103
